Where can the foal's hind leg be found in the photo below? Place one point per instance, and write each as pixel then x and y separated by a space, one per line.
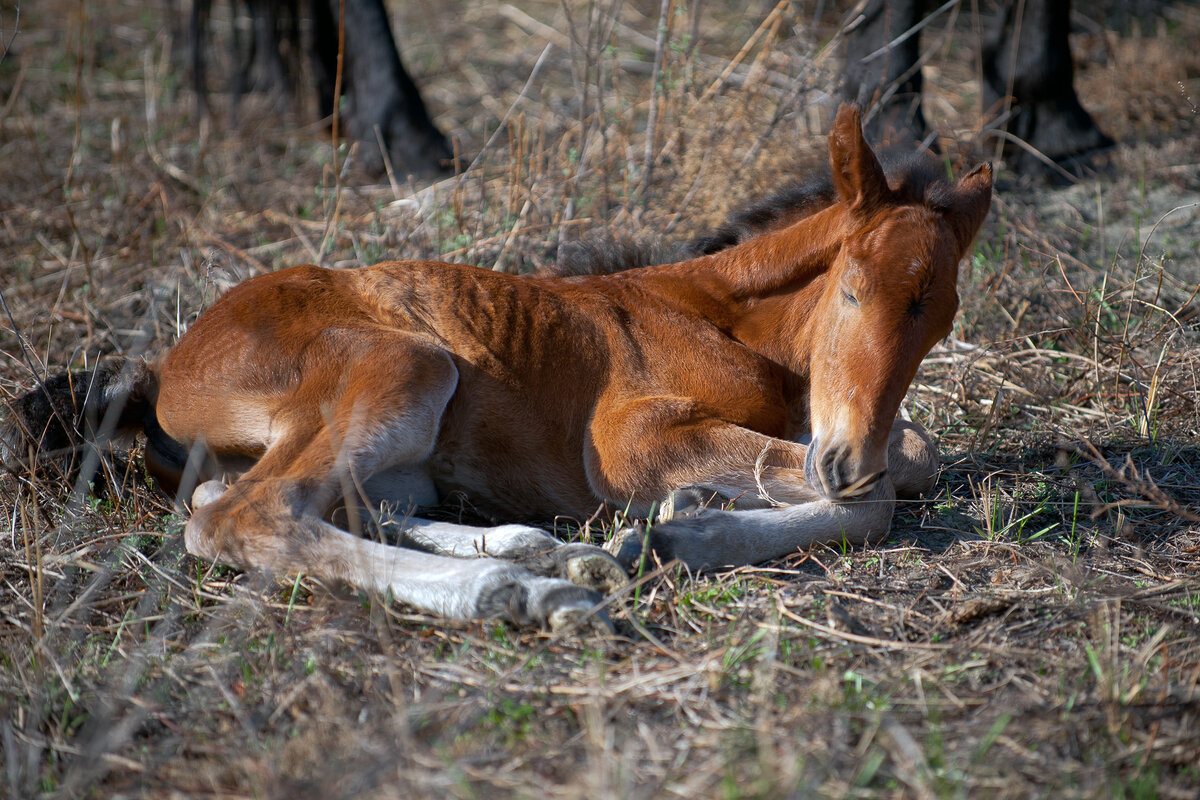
pixel 385 414
pixel 388 497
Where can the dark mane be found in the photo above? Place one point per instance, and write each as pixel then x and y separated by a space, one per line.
pixel 779 209
pixel 913 177
pixel 917 178
pixel 604 251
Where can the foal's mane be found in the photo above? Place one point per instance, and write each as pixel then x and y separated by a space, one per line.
pixel 913 178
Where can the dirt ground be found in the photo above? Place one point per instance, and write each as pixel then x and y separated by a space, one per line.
pixel 1030 629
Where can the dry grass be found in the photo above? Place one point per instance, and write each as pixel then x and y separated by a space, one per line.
pixel 1032 629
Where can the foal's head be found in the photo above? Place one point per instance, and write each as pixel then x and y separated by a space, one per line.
pixel 888 297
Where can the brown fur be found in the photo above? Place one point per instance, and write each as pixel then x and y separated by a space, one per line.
pixel 552 395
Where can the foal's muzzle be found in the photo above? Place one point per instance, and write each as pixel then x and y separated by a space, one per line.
pixel 831 471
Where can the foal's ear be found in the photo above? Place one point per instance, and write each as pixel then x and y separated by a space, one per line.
pixel 857 175
pixel 974 198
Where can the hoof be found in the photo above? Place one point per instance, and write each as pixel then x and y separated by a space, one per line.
pixel 626 547
pixel 570 608
pixel 581 621
pixel 526 599
pixel 207 492
pixel 592 568
pixel 582 564
pixel 687 502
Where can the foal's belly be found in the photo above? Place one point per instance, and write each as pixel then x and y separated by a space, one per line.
pixel 513 484
pixel 515 460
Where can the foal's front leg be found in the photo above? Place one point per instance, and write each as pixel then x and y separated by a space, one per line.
pixel 912 460
pixel 655 451
pixel 708 538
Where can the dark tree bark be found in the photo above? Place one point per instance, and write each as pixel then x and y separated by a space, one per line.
pixel 887 84
pixel 379 94
pixel 1026 59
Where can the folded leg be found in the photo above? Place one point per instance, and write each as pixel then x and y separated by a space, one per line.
pixel 912 460
pixel 384 416
pixel 640 452
pixel 709 538
pixel 665 448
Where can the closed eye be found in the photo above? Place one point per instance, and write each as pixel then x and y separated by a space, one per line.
pixel 851 299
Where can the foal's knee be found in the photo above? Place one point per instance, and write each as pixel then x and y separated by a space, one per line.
pixel 208 492
pixel 198 535
pixel 912 460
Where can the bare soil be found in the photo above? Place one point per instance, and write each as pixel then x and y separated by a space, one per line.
pixel 1031 629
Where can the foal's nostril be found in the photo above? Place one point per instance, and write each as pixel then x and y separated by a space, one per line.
pixel 832 472
pixel 825 469
pixel 832 469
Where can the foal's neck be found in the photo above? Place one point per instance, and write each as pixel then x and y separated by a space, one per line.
pixel 782 262
pixel 764 291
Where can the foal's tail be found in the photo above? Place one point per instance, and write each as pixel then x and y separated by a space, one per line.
pixel 114 399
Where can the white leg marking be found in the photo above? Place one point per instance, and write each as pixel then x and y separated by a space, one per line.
pixel 711 538
pixel 581 564
pixel 466 541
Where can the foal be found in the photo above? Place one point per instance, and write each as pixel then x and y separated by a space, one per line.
pixel 391 386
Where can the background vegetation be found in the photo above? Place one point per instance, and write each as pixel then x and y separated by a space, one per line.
pixel 1031 629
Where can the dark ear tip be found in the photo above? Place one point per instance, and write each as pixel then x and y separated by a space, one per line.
pixel 981 175
pixel 848 114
